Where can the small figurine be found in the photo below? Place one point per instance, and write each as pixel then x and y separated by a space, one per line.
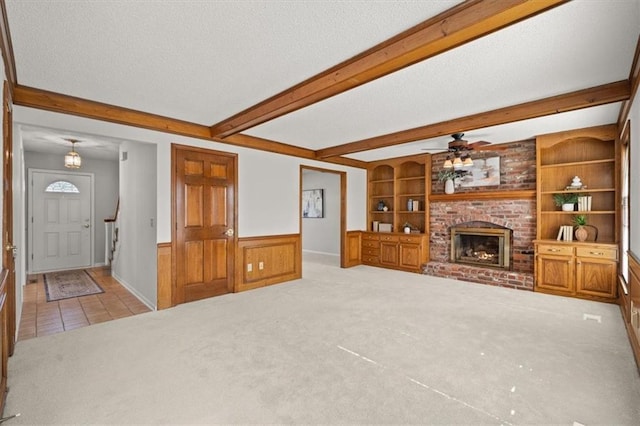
pixel 576 182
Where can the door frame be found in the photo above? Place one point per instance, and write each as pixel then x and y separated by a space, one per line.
pixel 343 209
pixel 30 244
pixel 175 206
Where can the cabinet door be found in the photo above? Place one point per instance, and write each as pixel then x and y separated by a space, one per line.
pixel 389 253
pixel 410 256
pixel 596 277
pixel 555 273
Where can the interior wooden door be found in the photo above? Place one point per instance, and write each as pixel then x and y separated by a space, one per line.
pixel 204 215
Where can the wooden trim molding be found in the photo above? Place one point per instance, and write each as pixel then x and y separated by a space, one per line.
pixel 165 280
pixel 459 25
pixel 56 102
pixel 267 260
pixel 7 48
pixel 634 81
pixel 485 195
pixel 594 96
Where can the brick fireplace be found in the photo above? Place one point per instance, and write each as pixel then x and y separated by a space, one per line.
pixel 501 207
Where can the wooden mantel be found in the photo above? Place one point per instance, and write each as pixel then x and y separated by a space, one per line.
pixel 477 195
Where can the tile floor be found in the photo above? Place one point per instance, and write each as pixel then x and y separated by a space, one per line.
pixel 40 318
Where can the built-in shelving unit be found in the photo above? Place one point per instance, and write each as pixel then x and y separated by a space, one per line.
pixel 581 269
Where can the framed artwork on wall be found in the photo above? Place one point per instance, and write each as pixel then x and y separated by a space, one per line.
pixel 485 172
pixel 313 203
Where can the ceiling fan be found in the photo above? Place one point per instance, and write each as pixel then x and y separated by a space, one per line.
pixel 458 145
pixel 461 162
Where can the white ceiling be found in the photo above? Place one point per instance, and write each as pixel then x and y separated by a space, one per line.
pixel 203 61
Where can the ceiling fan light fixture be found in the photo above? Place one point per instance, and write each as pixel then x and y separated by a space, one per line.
pixel 72 160
pixel 468 162
pixel 457 163
pixel 447 163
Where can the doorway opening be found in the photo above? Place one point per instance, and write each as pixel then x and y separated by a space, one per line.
pixel 323 234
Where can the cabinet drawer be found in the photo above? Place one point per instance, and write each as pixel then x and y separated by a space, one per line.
pixel 371 260
pixel 371 237
pixel 370 243
pixel 555 249
pixel 598 252
pixel 414 239
pixel 370 251
pixel 393 238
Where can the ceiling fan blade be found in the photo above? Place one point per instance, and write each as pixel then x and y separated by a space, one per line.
pixel 441 149
pixel 479 144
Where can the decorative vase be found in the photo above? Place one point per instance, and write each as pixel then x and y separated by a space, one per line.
pixel 581 233
pixel 449 187
pixel 407 230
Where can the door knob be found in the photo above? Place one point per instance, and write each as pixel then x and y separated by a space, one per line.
pixel 86 225
pixel 10 247
pixel 229 232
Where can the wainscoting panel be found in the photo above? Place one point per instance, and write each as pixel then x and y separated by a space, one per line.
pixel 633 322
pixel 352 252
pixel 263 261
pixel 164 276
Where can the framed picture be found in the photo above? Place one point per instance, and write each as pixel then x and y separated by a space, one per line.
pixel 313 203
pixel 485 172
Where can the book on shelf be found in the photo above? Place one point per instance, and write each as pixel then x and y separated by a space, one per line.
pixel 584 203
pixel 560 232
pixel 567 233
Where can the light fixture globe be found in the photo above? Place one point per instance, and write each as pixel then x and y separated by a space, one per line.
pixel 72 160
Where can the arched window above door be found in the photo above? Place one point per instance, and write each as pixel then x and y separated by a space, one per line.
pixel 62 186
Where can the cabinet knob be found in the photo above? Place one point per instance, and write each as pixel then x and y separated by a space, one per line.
pixel 596 253
pixel 553 250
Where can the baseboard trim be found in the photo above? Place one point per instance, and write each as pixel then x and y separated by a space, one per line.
pixel 134 291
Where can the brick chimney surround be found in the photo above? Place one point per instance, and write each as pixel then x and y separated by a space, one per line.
pixel 510 205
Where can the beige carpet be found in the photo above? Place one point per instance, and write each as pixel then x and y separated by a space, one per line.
pixel 67 284
pixel 356 346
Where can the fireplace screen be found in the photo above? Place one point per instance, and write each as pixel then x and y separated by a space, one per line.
pixel 481 246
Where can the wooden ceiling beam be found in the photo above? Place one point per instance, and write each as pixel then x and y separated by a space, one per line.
pixel 56 102
pixel 634 78
pixel 459 25
pixel 600 95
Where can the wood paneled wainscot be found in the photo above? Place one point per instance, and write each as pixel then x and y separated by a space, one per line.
pixel 263 261
pixel 630 305
pixel 397 251
pixel 585 270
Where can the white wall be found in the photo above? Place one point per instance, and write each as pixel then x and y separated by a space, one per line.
pixel 105 188
pixel 134 263
pixel 322 235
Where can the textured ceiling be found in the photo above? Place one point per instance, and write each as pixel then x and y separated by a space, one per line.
pixel 203 61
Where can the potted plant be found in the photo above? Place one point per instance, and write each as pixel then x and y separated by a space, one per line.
pixel 580 221
pixel 566 200
pixel 447 176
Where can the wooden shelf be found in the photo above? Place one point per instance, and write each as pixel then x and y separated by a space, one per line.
pixel 585 212
pixel 578 163
pixel 579 191
pixel 478 195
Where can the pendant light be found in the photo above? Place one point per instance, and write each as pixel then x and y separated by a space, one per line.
pixel 72 160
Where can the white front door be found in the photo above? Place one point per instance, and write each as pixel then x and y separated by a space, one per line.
pixel 61 219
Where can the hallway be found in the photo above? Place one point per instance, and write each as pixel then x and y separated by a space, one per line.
pixel 41 318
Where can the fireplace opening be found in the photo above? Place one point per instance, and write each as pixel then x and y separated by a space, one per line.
pixel 490 247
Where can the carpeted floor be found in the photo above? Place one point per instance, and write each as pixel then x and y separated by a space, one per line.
pixel 359 345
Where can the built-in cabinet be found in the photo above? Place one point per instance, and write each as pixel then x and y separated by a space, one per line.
pixel 397 196
pixel 581 269
pixel 396 251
